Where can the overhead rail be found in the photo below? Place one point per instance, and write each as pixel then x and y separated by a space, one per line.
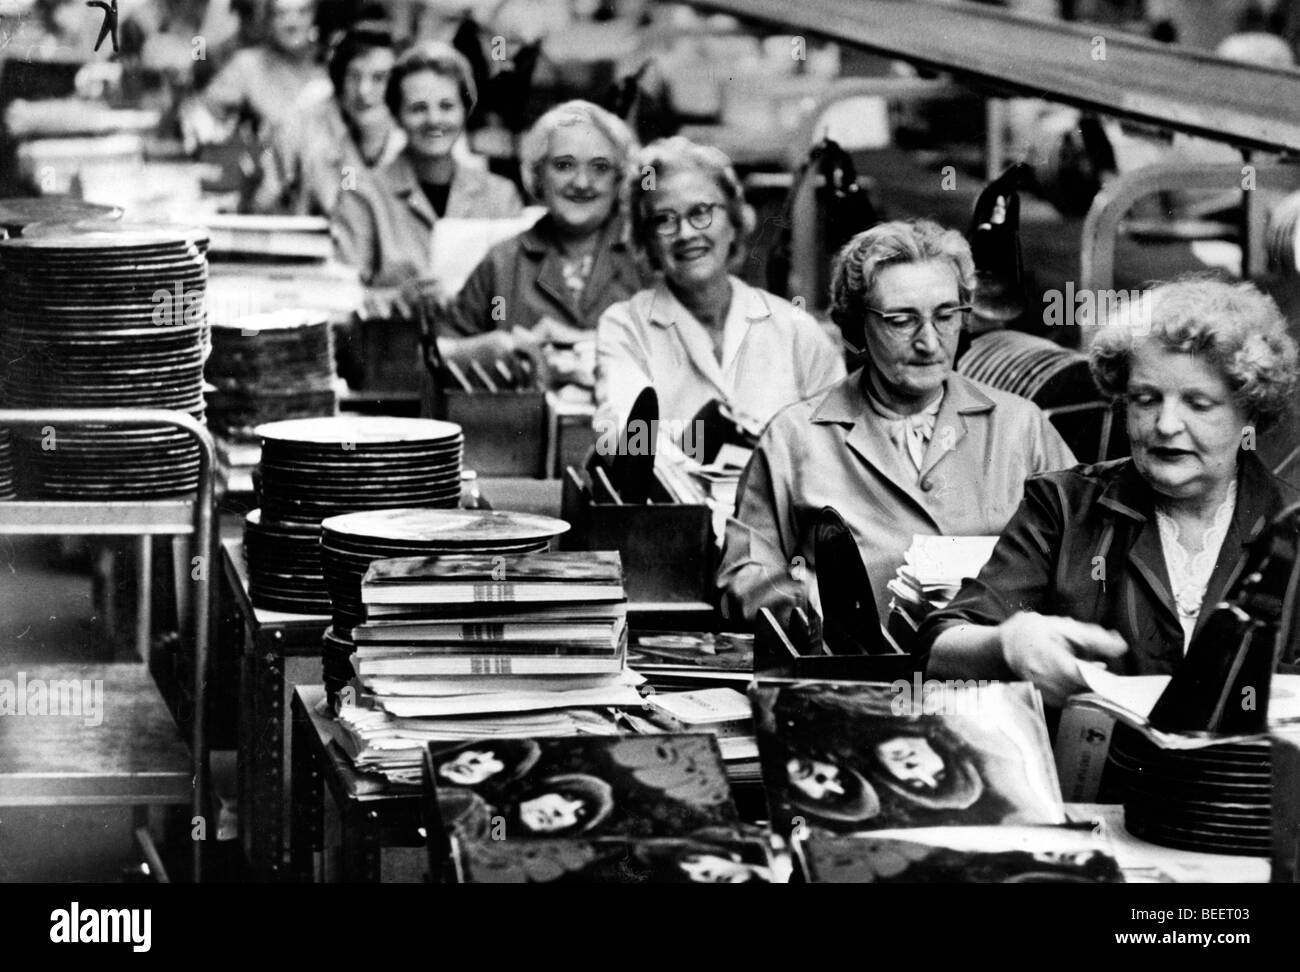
pixel 1091 66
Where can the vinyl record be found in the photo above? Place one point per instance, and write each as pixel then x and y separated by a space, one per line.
pixel 272 323
pixel 312 607
pixel 487 528
pixel 20 212
pixel 365 432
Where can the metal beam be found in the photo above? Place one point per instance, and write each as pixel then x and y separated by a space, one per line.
pixel 1162 84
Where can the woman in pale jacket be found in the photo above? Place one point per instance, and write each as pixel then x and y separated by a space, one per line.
pixel 701 334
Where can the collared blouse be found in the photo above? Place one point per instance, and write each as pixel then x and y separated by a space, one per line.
pixel 834 450
pixel 1085 544
pixel 773 354
pixel 526 273
pixel 384 227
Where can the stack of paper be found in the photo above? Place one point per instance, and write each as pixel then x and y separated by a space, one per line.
pixel 932 572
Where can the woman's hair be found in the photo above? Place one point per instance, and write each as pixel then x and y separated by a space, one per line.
pixel 535 146
pixel 443 60
pixel 595 795
pixel 361 38
pixel 665 156
pixel 1233 326
pixel 860 260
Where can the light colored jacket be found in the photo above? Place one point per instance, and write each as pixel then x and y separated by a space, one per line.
pixel 833 450
pixel 775 355
pixel 384 227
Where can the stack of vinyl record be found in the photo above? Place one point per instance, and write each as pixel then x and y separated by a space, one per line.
pixel 1029 366
pixel 316 468
pixel 1216 800
pixel 350 543
pixel 8 488
pixel 104 318
pixel 18 213
pixel 270 368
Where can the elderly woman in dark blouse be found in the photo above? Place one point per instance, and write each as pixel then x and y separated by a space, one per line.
pixel 551 283
pixel 1120 562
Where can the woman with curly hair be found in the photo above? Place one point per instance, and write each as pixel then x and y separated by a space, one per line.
pixel 1120 561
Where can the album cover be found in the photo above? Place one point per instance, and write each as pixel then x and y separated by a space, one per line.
pixel 961 855
pixel 845 757
pixel 710 856
pixel 630 786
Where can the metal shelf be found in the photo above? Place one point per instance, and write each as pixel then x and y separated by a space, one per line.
pixel 189 516
pixel 91 518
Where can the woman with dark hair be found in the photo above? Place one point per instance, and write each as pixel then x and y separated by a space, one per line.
pixel 384 227
pixel 314 156
pixel 1122 562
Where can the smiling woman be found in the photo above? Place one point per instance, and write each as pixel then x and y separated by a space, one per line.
pixel 550 284
pixel 701 335
pixel 383 225
pixel 1123 555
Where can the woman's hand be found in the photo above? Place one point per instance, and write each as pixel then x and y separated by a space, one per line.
pixel 493 347
pixel 1046 650
pixel 550 331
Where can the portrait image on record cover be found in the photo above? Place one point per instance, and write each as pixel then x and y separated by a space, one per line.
pixel 838 757
pixel 708 856
pixel 894 859
pixel 635 786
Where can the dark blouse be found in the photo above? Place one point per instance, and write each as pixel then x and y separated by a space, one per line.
pixel 1084 544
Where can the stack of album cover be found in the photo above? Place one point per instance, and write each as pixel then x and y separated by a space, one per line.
pixel 867 778
pixel 931 574
pixel 724 713
pixel 469 645
pixel 680 661
pixel 624 810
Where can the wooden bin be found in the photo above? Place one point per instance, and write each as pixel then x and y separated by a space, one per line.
pixel 669 554
pixel 506 433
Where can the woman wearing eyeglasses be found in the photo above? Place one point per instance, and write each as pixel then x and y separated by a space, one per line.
pixel 902 446
pixel 701 334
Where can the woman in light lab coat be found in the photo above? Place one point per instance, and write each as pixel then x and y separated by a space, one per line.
pixel 701 334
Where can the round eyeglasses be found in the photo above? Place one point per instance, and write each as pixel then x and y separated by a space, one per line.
pixel 667 222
